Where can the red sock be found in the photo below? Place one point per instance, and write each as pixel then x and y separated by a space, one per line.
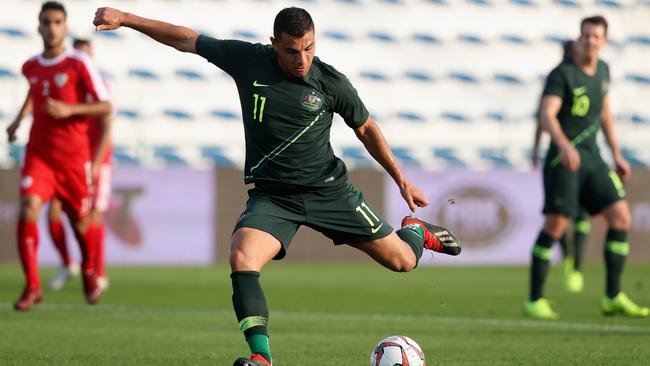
pixel 101 255
pixel 58 237
pixel 27 249
pixel 88 245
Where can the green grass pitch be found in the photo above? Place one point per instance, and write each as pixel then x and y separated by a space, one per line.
pixel 323 314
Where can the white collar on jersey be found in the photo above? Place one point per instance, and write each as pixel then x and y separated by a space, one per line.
pixel 53 61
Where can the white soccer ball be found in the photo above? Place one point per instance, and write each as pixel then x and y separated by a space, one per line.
pixel 397 351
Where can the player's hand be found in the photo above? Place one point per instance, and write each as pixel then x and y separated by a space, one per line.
pixel 108 19
pixel 11 131
pixel 623 168
pixel 413 196
pixel 58 109
pixel 570 158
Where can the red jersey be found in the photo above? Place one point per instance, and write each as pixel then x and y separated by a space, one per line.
pixel 70 78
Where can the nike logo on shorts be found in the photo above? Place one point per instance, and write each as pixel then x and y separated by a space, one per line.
pixel 375 229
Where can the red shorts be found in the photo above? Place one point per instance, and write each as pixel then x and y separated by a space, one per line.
pixel 68 182
pixel 102 186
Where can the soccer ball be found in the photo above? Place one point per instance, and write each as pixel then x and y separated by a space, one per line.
pixel 397 351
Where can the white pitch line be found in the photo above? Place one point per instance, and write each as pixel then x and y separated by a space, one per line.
pixel 511 323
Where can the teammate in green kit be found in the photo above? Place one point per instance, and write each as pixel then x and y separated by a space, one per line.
pixel 572 248
pixel 288 97
pixel 574 106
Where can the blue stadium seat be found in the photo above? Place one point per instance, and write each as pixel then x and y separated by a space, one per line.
pixel 337 35
pixel 247 35
pixel 405 157
pixel 496 116
pixel 128 113
pixel 357 155
pixel 457 117
pixel 515 39
pixel 6 73
pixel 639 79
pixel 381 36
pixel 631 156
pixel 437 2
pixel 225 114
pixel 426 38
pixel 13 32
pixel 524 2
pixel 351 2
pixel 216 155
pixel 638 119
pixel 169 155
pixel 122 156
pixel 418 75
pixel 178 114
pixel 472 39
pixel 17 153
pixel 508 79
pixel 640 39
pixel 374 75
pixel 190 74
pixel 463 77
pixel 392 2
pixel 410 116
pixel 496 156
pixel 480 2
pixel 143 74
pixel 567 3
pixel 610 4
pixel 449 156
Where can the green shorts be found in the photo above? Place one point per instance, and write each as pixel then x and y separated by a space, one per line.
pixel 340 213
pixel 593 187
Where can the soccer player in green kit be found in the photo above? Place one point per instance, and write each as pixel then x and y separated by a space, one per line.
pixel 288 98
pixel 574 106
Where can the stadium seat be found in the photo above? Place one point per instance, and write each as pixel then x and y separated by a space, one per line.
pixel 130 114
pixel 418 75
pixel 455 116
pixel 642 40
pixel 178 114
pixel 223 114
pixel 356 155
pixel 337 35
pixel 190 74
pixel 449 156
pixel 496 156
pixel 405 157
pixel 382 37
pixel 374 75
pixel 631 156
pixel 463 77
pixel 610 4
pixel 527 3
pixel 13 32
pixel 123 156
pixel 6 73
pixel 216 156
pixel 568 3
pixel 426 38
pixel 410 116
pixel 515 39
pixel 144 74
pixel 641 79
pixel 168 155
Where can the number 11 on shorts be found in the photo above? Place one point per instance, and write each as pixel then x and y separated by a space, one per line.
pixel 364 210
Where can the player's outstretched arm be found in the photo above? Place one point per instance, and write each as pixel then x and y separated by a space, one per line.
pixel 58 109
pixel 24 111
pixel 549 109
pixel 373 139
pixel 607 123
pixel 181 38
pixel 534 158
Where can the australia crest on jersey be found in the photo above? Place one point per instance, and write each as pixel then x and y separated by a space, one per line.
pixel 60 78
pixel 311 100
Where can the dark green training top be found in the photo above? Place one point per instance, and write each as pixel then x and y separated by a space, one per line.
pixel 287 120
pixel 582 102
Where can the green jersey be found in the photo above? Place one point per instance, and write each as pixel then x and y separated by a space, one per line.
pixel 582 102
pixel 287 120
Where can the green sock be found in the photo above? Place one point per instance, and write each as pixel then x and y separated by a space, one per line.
pixel 616 250
pixel 414 237
pixel 539 266
pixel 581 231
pixel 251 310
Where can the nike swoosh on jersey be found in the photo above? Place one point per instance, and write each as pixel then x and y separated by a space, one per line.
pixel 256 84
pixel 375 229
pixel 580 90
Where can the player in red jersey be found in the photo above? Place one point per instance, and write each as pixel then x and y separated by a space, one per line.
pixel 67 95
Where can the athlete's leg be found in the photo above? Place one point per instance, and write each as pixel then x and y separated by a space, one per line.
pixel 619 220
pixel 55 223
pixel 393 252
pixel 582 228
pixel 251 249
pixel 27 235
pixel 97 218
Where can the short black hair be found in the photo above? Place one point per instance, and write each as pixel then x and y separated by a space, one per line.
pixel 567 49
pixel 52 5
pixel 78 42
pixel 292 21
pixel 596 20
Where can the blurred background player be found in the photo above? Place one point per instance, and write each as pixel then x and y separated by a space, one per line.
pixel 65 92
pixel 572 248
pixel 288 98
pixel 574 106
pixel 101 152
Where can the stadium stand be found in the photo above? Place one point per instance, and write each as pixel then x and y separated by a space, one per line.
pixel 456 85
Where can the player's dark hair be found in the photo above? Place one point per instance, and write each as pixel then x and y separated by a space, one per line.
pixel 292 21
pixel 80 42
pixel 596 20
pixel 568 49
pixel 52 5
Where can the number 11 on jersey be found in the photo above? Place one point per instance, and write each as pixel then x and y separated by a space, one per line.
pixel 262 101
